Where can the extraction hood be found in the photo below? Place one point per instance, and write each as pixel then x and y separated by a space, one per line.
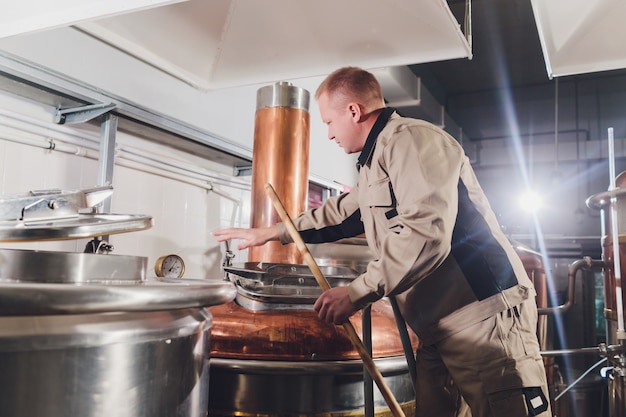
pixel 19 17
pixel 581 36
pixel 226 43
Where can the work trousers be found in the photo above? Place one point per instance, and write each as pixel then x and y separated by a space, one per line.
pixel 494 367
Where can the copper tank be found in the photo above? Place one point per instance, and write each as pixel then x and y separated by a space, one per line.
pixel 280 157
pixel 602 201
pixel 279 323
pixel 616 375
pixel 271 355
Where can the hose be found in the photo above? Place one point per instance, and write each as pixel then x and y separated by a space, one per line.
pixel 580 378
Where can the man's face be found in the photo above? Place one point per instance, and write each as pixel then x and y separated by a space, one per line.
pixel 343 123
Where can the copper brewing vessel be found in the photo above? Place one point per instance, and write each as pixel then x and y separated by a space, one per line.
pixel 271 355
pixel 298 334
pixel 281 158
pixel 602 201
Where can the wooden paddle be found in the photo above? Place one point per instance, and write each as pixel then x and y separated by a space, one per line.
pixel 395 408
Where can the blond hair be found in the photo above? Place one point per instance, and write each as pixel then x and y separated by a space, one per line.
pixel 353 84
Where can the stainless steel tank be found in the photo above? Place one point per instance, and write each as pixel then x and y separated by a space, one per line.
pixel 86 334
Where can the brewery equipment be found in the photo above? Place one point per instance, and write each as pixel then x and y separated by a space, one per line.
pixel 270 353
pixel 613 209
pixel 613 215
pixel 280 157
pixel 87 334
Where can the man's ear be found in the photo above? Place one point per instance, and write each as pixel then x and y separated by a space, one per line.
pixel 355 111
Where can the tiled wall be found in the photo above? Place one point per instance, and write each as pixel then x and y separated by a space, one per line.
pixel 184 214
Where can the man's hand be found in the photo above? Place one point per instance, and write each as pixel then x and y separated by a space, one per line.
pixel 334 305
pixel 249 237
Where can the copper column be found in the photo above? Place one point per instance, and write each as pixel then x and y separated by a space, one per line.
pixel 280 156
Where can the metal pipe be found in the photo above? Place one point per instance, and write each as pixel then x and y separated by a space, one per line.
pixel 578 351
pixel 406 340
pixel 280 157
pixel 85 142
pixel 48 144
pixel 368 382
pixel 556 125
pixel 43 128
pixel 602 350
pixel 106 156
pixel 621 335
pixel 574 267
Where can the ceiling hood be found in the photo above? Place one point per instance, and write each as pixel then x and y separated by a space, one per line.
pixel 19 17
pixel 226 43
pixel 581 36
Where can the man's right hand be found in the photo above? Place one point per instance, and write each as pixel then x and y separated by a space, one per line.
pixel 334 306
pixel 249 237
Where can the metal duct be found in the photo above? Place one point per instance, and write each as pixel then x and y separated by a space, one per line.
pixel 406 92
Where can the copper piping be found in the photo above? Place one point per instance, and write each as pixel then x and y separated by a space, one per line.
pixel 585 263
pixel 281 157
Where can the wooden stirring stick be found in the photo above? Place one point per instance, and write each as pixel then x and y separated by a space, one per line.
pixel 395 408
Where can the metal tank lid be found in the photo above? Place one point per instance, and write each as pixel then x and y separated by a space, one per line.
pixel 282 94
pixel 35 283
pixel 603 200
pixel 50 283
pixel 274 286
pixel 59 215
pixel 35 299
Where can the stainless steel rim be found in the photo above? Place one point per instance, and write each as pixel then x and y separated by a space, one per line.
pixel 29 299
pixel 85 225
pixel 283 94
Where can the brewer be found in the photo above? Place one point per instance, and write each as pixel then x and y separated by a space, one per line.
pixel 270 353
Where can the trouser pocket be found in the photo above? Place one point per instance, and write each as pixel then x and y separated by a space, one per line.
pixel 519 402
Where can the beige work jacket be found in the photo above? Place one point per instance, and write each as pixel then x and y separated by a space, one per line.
pixel 437 244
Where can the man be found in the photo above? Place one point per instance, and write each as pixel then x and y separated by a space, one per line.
pixel 438 248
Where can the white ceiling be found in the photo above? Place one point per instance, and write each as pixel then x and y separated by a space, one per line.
pixel 26 16
pixel 581 36
pixel 224 43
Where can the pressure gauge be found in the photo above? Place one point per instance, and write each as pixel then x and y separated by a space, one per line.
pixel 169 266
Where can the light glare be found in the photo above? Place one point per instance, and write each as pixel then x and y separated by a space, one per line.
pixel 531 201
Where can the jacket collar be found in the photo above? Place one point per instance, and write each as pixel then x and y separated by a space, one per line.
pixel 370 143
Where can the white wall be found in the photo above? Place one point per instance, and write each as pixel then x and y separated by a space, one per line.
pixel 228 113
pixel 184 214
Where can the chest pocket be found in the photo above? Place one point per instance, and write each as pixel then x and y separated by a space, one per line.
pixel 379 194
pixel 381 202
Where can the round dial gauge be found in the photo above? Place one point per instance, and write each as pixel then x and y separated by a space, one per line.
pixel 169 266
